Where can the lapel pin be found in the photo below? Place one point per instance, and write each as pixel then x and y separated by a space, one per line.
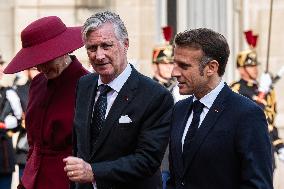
pixel 126 98
pixel 216 110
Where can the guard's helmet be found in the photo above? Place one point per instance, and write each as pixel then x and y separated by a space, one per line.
pixel 163 54
pixel 247 58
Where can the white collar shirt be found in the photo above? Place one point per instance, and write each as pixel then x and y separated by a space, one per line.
pixel 207 101
pixel 116 86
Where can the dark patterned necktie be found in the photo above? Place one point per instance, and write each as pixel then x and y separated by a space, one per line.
pixel 197 108
pixel 99 112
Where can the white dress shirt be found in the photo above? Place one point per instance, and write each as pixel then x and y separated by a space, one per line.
pixel 115 85
pixel 207 101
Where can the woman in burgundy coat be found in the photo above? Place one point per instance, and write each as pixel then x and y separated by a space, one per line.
pixel 46 43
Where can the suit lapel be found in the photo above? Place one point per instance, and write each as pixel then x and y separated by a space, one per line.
pixel 124 97
pixel 208 123
pixel 91 89
pixel 178 126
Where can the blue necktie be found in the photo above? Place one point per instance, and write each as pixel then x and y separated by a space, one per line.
pixel 197 108
pixel 99 112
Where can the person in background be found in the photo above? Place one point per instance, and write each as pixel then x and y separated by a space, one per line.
pixel 121 119
pixel 162 60
pixel 261 93
pixel 46 45
pixel 22 86
pixel 10 118
pixel 219 139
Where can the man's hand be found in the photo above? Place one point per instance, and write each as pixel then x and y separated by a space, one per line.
pixel 78 170
pixel 265 83
pixel 281 154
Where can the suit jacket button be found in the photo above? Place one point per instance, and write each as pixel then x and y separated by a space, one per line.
pixel 182 183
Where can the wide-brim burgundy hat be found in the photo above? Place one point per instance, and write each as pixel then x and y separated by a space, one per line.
pixel 43 40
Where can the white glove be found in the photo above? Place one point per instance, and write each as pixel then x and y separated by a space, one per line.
pixel 281 154
pixel 265 83
pixel 11 122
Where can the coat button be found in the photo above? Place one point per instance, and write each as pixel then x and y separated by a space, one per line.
pixel 182 183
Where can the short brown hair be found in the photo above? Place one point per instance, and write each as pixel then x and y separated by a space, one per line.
pixel 214 45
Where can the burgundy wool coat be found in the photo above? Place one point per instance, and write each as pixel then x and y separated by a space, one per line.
pixel 49 122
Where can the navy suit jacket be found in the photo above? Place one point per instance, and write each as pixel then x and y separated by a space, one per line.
pixel 126 155
pixel 231 148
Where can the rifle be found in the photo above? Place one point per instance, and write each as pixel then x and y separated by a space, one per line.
pixel 269 34
pixel 278 75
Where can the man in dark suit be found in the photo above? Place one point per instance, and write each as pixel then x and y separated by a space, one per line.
pixel 121 123
pixel 219 139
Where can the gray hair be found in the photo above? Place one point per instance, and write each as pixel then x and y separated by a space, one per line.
pixel 203 62
pixel 98 19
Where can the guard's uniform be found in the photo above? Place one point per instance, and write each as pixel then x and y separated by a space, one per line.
pixel 268 103
pixel 10 109
pixel 170 84
pixel 163 54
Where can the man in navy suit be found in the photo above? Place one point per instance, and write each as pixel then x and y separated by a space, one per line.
pixel 219 139
pixel 123 148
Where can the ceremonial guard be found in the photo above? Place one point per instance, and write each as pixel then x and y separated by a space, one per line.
pixel 163 65
pixel 261 92
pixel 10 117
pixel 162 60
